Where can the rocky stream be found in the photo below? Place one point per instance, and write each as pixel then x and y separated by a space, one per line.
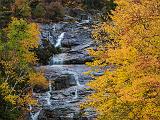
pixel 65 72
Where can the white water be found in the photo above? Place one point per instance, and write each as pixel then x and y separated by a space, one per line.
pixel 57 59
pixel 49 94
pixel 75 76
pixel 34 116
pixel 88 20
pixel 54 27
pixel 60 38
pixel 76 94
pixel 77 82
pixel 50 38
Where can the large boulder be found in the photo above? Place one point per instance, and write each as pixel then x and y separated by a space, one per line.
pixel 40 89
pixel 64 81
pixel 71 58
pixel 60 114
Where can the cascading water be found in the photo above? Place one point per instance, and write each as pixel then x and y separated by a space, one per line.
pixel 76 94
pixel 49 94
pixel 57 59
pixel 60 38
pixel 78 85
pixel 35 115
pixel 54 27
pixel 50 38
pixel 69 88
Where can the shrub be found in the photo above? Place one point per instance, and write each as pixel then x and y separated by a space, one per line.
pixel 39 11
pixel 45 51
pixel 22 8
pixel 54 10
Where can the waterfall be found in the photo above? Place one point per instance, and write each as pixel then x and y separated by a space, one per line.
pixel 76 78
pixel 50 37
pixel 49 94
pixel 59 40
pixel 76 94
pixel 54 27
pixel 62 98
pixel 77 82
pixel 34 116
pixel 57 59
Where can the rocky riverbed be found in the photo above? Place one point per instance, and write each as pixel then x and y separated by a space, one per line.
pixel 65 72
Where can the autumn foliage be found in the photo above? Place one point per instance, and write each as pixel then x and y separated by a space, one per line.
pixel 17 76
pixel 129 88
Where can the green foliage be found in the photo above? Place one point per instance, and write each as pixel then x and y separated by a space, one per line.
pixel 108 6
pixel 6 3
pixel 22 8
pixel 39 11
pixel 5 12
pixel 99 4
pixel 45 51
pixel 54 10
pixel 105 6
pixel 92 4
pixel 16 74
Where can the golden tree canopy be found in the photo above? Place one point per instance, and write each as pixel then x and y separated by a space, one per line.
pixel 130 46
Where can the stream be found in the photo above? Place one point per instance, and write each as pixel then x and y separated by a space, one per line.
pixel 65 72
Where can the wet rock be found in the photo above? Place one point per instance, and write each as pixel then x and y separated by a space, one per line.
pixel 85 92
pixel 58 97
pixel 64 81
pixel 61 114
pixel 72 58
pixel 75 12
pixel 66 70
pixel 77 58
pixel 69 43
pixel 56 114
pixel 40 89
pixel 69 19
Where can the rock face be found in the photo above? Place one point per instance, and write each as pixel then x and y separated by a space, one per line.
pixel 64 81
pixel 39 89
pixel 60 114
pixel 67 91
pixel 74 44
pixel 67 82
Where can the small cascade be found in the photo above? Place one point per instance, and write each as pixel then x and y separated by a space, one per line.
pixel 31 114
pixel 60 38
pixel 54 27
pixel 76 78
pixel 78 85
pixel 49 94
pixel 50 37
pixel 76 94
pixel 57 59
pixel 35 115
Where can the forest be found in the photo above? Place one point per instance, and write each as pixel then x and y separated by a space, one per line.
pixel 79 60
